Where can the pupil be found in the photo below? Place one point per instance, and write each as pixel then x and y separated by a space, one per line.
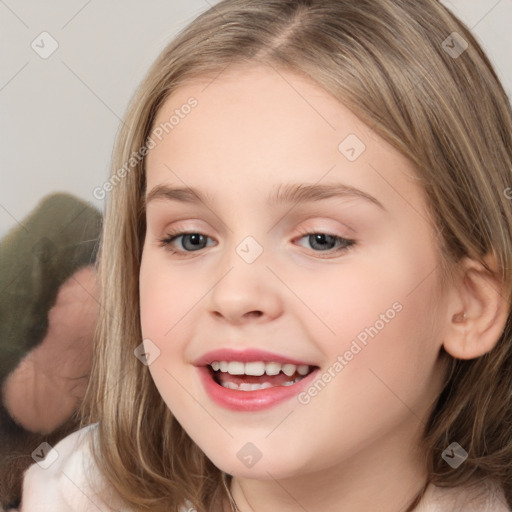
pixel 319 237
pixel 194 238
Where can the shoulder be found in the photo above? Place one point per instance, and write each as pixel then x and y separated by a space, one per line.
pixel 65 479
pixel 482 496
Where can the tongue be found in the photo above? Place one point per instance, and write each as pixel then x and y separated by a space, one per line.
pixel 275 380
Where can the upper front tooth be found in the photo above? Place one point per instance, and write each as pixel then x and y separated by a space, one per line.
pixel 272 368
pixel 236 368
pixel 289 369
pixel 256 368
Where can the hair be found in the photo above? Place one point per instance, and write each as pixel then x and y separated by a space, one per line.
pixel 384 60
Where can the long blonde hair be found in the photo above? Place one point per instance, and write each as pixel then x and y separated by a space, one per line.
pixel 449 114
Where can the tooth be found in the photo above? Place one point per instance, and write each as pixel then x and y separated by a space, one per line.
pixel 256 368
pixel 230 385
pixel 259 368
pixel 250 387
pixel 272 368
pixel 236 368
pixel 303 369
pixel 289 369
pixel 254 387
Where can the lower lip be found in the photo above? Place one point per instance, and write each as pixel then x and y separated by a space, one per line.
pixel 251 400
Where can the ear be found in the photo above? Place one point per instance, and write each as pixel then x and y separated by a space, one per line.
pixel 477 312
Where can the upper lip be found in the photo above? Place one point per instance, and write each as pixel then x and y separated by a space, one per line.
pixel 246 356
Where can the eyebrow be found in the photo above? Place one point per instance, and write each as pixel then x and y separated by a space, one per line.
pixel 284 194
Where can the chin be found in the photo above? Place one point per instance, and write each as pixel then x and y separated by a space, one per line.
pixel 269 467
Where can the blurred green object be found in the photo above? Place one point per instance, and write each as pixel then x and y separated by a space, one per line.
pixel 57 238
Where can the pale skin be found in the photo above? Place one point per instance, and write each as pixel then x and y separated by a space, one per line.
pixel 357 443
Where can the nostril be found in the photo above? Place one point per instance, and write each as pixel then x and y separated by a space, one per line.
pixel 255 313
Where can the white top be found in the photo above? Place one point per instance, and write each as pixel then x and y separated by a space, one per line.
pixel 65 480
pixel 66 485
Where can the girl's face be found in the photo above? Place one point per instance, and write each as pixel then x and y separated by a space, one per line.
pixel 331 289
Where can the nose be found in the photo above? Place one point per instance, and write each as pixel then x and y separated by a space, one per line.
pixel 246 292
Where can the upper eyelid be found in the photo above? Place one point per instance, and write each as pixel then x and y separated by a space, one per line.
pixel 302 231
pixel 308 217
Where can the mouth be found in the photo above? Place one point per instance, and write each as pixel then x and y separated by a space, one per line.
pixel 257 375
pixel 252 380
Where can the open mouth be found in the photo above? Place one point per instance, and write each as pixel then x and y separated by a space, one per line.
pixel 257 375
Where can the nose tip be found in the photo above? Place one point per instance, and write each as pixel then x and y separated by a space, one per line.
pixel 245 294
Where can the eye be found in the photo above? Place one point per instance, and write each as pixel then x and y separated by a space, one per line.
pixel 327 242
pixel 195 241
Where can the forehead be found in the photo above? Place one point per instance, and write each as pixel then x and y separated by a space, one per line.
pixel 255 102
pixel 259 125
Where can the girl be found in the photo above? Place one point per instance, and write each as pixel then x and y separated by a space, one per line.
pixel 305 273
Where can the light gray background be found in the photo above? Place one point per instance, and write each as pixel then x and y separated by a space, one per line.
pixel 60 115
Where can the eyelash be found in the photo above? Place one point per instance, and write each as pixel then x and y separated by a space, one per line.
pixel 173 235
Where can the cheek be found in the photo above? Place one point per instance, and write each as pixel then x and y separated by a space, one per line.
pixel 167 302
pixel 165 298
pixel 399 346
pixel 158 311
pixel 383 312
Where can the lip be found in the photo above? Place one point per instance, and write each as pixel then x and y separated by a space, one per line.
pixel 244 401
pixel 246 356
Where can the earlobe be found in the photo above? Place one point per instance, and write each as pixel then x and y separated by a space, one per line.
pixel 478 316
